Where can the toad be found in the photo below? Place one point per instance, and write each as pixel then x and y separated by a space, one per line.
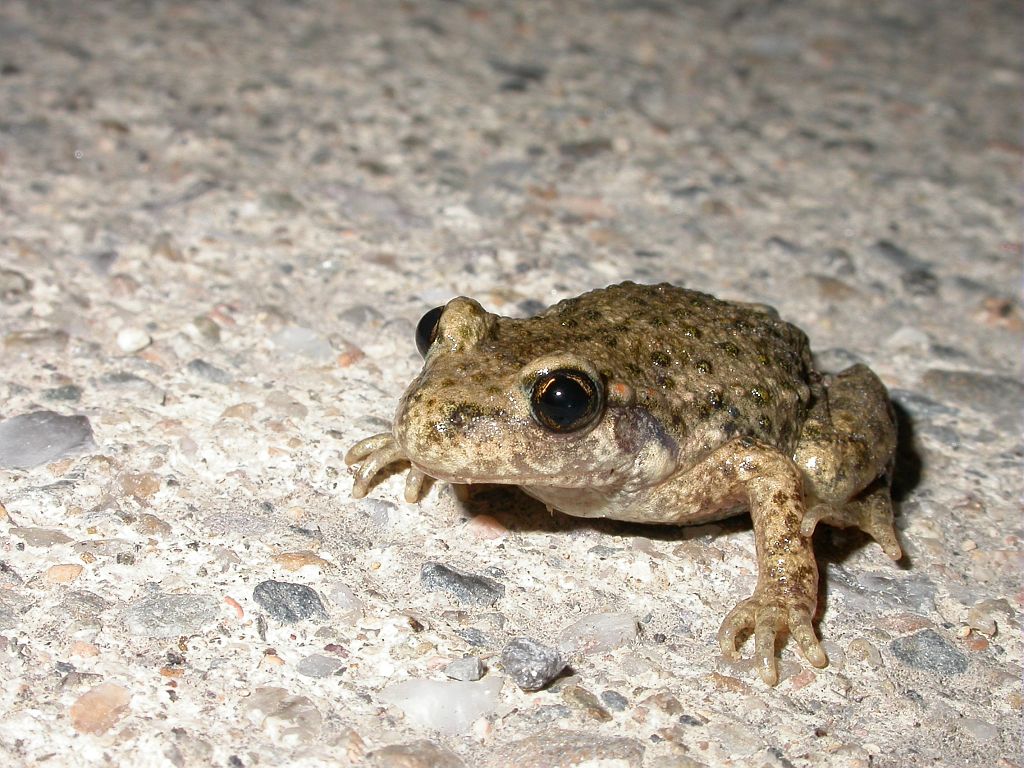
pixel 656 404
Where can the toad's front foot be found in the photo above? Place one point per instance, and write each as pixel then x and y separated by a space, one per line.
pixel 768 615
pixel 375 453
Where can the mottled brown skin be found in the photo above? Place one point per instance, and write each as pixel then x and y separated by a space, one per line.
pixel 709 408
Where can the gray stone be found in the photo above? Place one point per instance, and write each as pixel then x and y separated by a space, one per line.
pixel 468 668
pixel 208 371
pixel 133 384
pixel 288 602
pixel 614 700
pixel 464 587
pixel 929 651
pixel 68 393
pixel 473 636
pixel 169 615
pixel 41 537
pixel 531 664
pixel 39 437
pixel 319 665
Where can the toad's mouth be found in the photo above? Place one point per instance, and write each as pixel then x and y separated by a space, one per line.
pixel 590 479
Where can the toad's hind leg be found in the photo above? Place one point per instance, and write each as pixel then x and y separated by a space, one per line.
pixel 846 452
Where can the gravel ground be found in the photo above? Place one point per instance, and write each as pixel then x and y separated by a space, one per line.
pixel 219 224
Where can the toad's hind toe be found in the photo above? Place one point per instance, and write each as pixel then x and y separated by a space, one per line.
pixel 767 618
pixel 871 512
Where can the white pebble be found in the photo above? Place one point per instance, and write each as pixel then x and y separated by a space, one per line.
pixel 133 339
pixel 449 706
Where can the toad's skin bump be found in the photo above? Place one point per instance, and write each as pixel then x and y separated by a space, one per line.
pixel 656 404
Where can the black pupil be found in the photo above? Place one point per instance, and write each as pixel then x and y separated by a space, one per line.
pixel 564 400
pixel 426 330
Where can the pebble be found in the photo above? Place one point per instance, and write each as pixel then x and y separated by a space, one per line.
pixel 13 285
pixel 240 411
pixel 415 754
pixel 486 528
pixel 208 371
pixel 559 748
pixel 348 607
pixel 42 339
pixel 283 404
pixel 203 327
pixel 587 701
pixel 288 719
pixel 929 651
pixel 303 342
pixel 69 393
pixel 169 615
pixel 319 665
pixel 97 710
pixel 980 615
pixel 598 633
pixel 532 665
pixel 84 649
pixel 64 573
pixel 165 246
pixel 464 587
pixel 133 339
pixel 981 730
pixel 39 437
pixel 288 602
pixel 468 669
pixel 152 525
pixel 139 485
pixel 293 561
pixel 449 706
pixel 83 606
pixel 134 385
pixel 474 636
pixel 101 261
pixel 908 338
pixel 40 537
pixel 614 700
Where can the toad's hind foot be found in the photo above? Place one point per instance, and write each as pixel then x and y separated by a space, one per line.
pixel 871 512
pixel 767 616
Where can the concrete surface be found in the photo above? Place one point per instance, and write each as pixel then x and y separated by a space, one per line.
pixel 219 223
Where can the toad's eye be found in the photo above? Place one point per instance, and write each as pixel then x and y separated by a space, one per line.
pixel 565 400
pixel 426 330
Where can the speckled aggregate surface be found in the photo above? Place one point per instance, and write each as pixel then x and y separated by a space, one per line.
pixel 219 224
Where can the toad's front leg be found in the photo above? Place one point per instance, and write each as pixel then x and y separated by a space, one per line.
pixel 374 453
pixel 747 472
